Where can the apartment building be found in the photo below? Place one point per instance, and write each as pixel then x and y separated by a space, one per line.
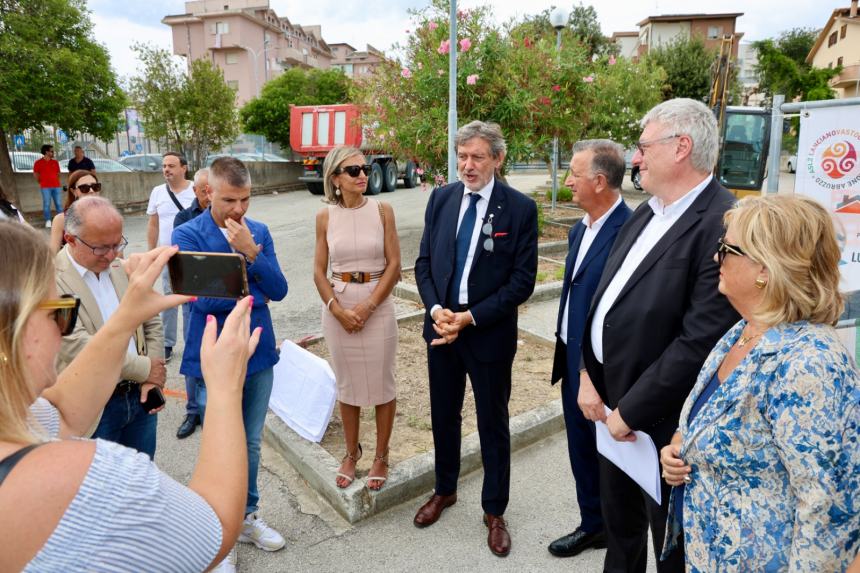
pixel 655 31
pixel 247 40
pixel 627 42
pixel 838 44
pixel 355 63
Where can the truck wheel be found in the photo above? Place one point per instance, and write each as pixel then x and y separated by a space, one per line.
pixel 390 176
pixel 316 188
pixel 411 178
pixel 374 182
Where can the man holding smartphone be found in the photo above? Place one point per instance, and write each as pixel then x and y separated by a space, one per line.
pixel 223 228
pixel 88 268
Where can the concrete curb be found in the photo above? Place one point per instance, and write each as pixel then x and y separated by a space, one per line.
pixel 410 478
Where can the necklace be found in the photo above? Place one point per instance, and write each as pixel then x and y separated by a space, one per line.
pixel 743 340
pixel 359 206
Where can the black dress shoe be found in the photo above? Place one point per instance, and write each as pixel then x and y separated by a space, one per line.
pixel 190 422
pixel 576 542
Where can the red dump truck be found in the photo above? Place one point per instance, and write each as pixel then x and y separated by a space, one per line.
pixel 316 129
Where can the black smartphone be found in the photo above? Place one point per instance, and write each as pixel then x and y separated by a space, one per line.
pixel 215 275
pixel 155 399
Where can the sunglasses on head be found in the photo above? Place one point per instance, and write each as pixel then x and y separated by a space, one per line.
pixel 353 170
pixel 87 187
pixel 65 312
pixel 724 248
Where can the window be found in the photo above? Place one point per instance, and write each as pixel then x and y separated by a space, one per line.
pixel 232 58
pixel 839 61
pixel 233 84
pixel 714 32
pixel 831 40
pixel 842 31
pixel 222 27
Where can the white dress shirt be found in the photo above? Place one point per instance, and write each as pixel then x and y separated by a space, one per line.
pixel 591 230
pixel 664 217
pixel 104 292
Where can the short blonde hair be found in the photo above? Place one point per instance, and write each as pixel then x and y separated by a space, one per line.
pixel 332 161
pixel 795 239
pixel 28 271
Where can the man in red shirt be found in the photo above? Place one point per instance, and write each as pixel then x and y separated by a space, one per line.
pixel 47 172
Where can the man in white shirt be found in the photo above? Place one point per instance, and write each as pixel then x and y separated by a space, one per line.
pixel 596 173
pixel 88 268
pixel 655 316
pixel 165 201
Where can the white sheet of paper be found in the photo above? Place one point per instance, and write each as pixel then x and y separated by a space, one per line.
pixel 637 459
pixel 303 392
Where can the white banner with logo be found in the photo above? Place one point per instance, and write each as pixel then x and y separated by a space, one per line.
pixel 828 171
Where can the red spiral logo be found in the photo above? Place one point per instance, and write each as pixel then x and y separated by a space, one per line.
pixel 839 159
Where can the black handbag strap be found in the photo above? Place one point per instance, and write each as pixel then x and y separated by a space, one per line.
pixel 10 461
pixel 173 198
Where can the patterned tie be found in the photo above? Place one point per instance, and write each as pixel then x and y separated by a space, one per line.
pixel 464 238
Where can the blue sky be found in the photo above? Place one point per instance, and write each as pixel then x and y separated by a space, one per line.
pixel 118 24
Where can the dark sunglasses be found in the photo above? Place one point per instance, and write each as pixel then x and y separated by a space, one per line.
pixel 353 170
pixel 724 248
pixel 65 312
pixel 87 187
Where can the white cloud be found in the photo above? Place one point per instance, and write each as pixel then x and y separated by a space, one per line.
pixel 119 33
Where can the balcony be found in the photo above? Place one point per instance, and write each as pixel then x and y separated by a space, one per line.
pixel 849 77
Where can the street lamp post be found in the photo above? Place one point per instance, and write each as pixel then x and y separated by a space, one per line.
pixel 558 19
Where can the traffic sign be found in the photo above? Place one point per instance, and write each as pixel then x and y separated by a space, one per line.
pixel 20 140
pixel 138 147
pixel 62 137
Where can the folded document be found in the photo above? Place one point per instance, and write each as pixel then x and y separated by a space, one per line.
pixel 637 459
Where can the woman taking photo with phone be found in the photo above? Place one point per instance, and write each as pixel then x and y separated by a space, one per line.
pixel 358 236
pixel 766 461
pixel 81 183
pixel 91 505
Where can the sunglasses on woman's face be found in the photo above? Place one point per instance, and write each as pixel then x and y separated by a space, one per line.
pixel 65 312
pixel 87 187
pixel 353 170
pixel 724 248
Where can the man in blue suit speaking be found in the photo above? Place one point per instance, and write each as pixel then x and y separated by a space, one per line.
pixel 596 174
pixel 477 263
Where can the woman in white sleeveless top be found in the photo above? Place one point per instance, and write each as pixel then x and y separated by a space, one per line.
pixel 357 235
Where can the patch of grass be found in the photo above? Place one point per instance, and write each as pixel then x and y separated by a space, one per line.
pixel 564 194
pixel 559 273
pixel 540 277
pixel 417 423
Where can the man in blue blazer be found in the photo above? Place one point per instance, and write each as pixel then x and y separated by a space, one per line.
pixel 477 263
pixel 596 174
pixel 223 228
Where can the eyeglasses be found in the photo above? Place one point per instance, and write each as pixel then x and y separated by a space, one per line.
pixel 725 248
pixel 643 145
pixel 353 170
pixel 102 251
pixel 87 187
pixel 65 312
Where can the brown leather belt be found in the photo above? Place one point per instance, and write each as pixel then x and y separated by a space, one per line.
pixel 357 277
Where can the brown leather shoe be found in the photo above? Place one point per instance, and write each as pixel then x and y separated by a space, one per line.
pixel 498 538
pixel 430 511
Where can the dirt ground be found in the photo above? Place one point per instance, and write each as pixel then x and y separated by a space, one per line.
pixel 412 431
pixel 552 233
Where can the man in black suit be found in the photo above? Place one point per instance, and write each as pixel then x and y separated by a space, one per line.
pixel 656 315
pixel 596 174
pixel 477 263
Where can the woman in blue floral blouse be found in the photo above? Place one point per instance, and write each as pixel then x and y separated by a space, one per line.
pixel 766 459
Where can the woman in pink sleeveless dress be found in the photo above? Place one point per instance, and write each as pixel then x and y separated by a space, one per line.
pixel 358 236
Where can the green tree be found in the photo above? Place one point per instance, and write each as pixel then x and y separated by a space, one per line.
pixel 52 72
pixel 269 114
pixel 510 75
pixel 194 111
pixel 783 69
pixel 583 26
pixel 688 65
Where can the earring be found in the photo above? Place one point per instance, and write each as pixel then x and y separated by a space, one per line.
pixel 337 191
pixel 760 283
pixel 3 358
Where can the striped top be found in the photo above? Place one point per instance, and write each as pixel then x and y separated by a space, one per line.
pixel 127 516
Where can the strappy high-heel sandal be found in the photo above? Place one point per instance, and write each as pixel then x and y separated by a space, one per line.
pixel 379 479
pixel 354 458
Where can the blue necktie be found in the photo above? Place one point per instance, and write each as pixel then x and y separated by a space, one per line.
pixel 464 238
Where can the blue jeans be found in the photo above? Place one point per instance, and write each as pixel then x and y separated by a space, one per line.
pixel 170 316
pixel 48 193
pixel 124 422
pixel 255 404
pixel 190 381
